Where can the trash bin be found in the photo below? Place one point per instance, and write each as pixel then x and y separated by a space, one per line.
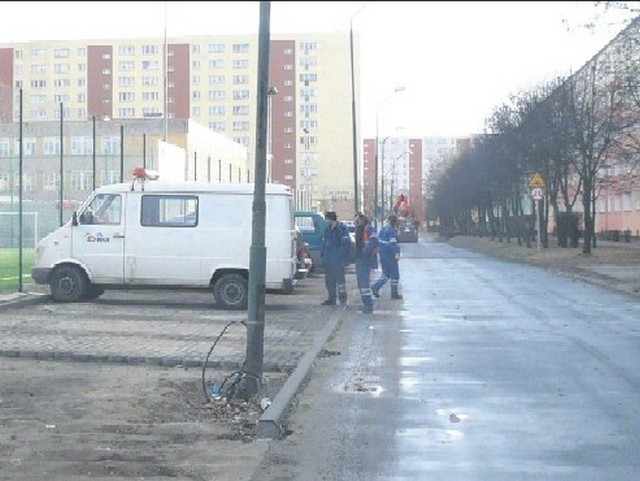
pixel 627 235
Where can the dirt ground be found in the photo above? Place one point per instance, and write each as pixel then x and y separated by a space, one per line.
pixel 120 423
pixel 611 264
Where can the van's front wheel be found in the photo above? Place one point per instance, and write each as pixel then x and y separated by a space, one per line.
pixel 68 284
pixel 232 292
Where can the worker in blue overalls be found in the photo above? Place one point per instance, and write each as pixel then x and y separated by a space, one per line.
pixel 335 254
pixel 389 257
pixel 365 259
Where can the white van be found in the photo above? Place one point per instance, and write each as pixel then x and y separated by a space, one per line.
pixel 158 234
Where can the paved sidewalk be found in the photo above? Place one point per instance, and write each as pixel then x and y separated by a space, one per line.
pixel 112 388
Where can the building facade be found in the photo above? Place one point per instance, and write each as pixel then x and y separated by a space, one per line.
pixel 406 166
pixel 60 163
pixel 211 80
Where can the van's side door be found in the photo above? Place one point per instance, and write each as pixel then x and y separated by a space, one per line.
pixel 165 245
pixel 98 239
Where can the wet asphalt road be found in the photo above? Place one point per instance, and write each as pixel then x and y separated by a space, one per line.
pixel 485 371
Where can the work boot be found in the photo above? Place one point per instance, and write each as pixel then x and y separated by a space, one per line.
pixel 366 310
pixel 329 302
pixel 343 301
pixel 396 296
pixel 375 291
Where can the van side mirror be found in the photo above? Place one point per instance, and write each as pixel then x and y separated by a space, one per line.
pixel 74 218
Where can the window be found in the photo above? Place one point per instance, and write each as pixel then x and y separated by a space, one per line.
pixel 150 96
pixel 241 110
pixel 38 98
pixel 81 180
pixel 150 50
pixel 39 114
pixel 81 145
pixel 169 211
pixel 241 63
pixel 5 148
pixel 307 62
pixel 195 48
pixel 103 208
pixel 151 112
pixel 110 145
pixel 126 50
pixel 126 96
pixel 38 68
pixel 216 110
pixel 61 53
pixel 64 98
pixel 240 126
pixel 126 81
pixel 38 53
pixel 50 181
pixel 308 46
pixel 216 94
pixel 309 109
pixel 216 48
pixel 240 48
pixel 216 79
pixel 150 81
pixel 240 94
pixel 242 141
pixel 216 63
pixel 216 126
pixel 150 65
pixel 126 65
pixel 61 68
pixel 127 112
pixel 28 146
pixel 240 79
pixel 51 146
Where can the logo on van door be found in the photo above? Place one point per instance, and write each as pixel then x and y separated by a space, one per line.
pixel 99 237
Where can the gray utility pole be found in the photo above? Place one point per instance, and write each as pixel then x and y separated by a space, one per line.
pixel 258 258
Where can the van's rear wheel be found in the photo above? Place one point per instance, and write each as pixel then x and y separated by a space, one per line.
pixel 232 292
pixel 68 284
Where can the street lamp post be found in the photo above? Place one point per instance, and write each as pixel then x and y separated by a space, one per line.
pixel 270 93
pixel 353 114
pixel 382 196
pixel 375 201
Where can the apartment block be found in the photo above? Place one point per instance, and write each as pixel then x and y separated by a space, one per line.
pixel 211 80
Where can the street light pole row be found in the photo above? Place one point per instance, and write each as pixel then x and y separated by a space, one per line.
pixel 377 211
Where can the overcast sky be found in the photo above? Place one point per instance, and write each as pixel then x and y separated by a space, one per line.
pixel 457 61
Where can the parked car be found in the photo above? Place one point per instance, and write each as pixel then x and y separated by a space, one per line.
pixel 304 262
pixel 312 225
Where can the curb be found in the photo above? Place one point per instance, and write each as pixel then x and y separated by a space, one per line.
pixel 17 299
pixel 270 424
